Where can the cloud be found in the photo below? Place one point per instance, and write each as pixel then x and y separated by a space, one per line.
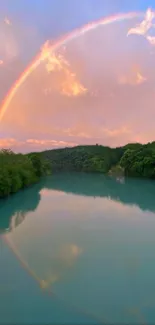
pixel 116 132
pixel 50 143
pixel 76 131
pixel 151 39
pixel 79 132
pixel 69 85
pixel 9 48
pixel 144 27
pixel 7 21
pixel 19 43
pixel 9 143
pixel 33 144
pixel 15 39
pixel 133 78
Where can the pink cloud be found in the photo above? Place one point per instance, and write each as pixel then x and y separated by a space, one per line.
pixel 50 143
pixel 33 144
pixel 7 21
pixel 10 143
pixel 132 79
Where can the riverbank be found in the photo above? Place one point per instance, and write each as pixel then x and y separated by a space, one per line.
pixel 18 171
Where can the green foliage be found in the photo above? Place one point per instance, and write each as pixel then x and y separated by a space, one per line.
pixel 134 159
pixel 116 170
pixel 139 163
pixel 18 171
pixel 5 182
pixel 83 158
pixel 15 180
pixel 37 163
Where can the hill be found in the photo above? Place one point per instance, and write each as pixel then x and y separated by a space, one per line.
pixel 133 159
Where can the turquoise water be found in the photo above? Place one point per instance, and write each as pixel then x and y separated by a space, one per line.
pixel 78 249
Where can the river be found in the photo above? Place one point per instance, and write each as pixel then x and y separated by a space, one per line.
pixel 78 249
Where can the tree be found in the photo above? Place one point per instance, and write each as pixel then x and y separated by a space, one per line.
pixel 5 182
pixel 18 171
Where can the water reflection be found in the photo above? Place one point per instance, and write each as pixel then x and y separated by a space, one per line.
pixel 89 239
pixel 126 191
pixel 14 209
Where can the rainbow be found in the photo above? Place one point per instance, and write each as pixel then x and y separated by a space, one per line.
pixel 62 41
pixel 13 248
pixel 40 282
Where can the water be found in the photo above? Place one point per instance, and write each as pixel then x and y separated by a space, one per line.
pixel 78 249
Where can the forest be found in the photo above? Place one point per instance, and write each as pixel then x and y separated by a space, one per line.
pixel 18 171
pixel 135 159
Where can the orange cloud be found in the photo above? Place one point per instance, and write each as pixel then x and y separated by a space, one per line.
pixel 116 132
pixel 134 77
pixel 87 132
pixel 50 143
pixel 69 84
pixel 33 144
pixel 29 144
pixel 76 132
pixel 9 143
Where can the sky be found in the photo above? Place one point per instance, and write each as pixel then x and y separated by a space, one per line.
pixel 96 88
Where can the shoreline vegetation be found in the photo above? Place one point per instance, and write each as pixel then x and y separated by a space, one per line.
pixel 18 171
